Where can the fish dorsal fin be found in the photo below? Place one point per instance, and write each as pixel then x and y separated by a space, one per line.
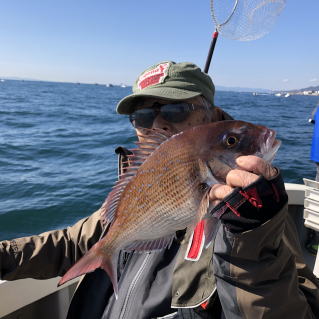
pixel 151 140
pixel 157 244
pixel 157 135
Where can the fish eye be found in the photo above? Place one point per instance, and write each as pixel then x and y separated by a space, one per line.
pixel 203 186
pixel 231 140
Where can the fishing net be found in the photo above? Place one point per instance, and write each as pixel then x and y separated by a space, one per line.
pixel 245 20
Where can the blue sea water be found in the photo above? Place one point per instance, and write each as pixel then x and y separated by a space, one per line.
pixel 57 140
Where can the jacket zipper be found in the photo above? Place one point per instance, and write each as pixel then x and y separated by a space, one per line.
pixel 133 285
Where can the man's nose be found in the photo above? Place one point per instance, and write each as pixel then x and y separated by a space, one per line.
pixel 160 123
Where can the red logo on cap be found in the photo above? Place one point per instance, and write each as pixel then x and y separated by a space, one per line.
pixel 153 76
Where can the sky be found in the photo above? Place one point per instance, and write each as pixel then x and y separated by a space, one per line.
pixel 113 41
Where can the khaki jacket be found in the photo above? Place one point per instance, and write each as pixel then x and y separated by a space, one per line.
pixel 262 269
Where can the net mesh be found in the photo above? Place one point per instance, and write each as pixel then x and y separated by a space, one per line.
pixel 245 20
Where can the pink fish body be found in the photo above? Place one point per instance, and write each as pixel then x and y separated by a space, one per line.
pixel 166 188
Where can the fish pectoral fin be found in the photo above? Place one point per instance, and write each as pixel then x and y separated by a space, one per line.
pixel 88 263
pixel 204 205
pixel 204 231
pixel 149 245
pixel 210 229
pixel 211 224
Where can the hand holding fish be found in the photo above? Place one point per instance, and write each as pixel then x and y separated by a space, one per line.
pixel 256 184
pixel 250 169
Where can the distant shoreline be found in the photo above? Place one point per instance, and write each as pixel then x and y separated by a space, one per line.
pixel 309 91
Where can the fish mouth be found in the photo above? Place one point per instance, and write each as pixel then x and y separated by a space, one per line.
pixel 270 145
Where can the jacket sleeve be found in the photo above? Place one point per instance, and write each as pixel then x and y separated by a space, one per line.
pixel 260 272
pixel 49 254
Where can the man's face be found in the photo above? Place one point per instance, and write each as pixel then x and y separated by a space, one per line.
pixel 196 117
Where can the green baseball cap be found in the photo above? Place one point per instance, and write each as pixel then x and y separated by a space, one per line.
pixel 171 81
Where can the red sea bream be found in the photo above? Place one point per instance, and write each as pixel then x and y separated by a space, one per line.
pixel 166 188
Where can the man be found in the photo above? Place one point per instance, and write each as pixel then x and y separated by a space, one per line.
pixel 254 269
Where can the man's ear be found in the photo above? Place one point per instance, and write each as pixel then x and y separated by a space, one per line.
pixel 220 115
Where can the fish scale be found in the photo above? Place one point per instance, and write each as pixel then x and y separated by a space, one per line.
pixel 161 191
pixel 169 188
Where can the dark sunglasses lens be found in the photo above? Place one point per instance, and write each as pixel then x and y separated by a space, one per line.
pixel 143 118
pixel 175 113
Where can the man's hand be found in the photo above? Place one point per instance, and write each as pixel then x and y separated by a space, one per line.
pixel 253 194
pixel 250 169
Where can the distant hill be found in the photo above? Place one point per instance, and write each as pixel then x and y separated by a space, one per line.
pixel 309 88
pixel 15 78
pixel 218 87
pixel 241 89
pixel 313 89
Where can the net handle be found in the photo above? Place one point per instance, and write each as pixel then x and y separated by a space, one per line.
pixel 211 51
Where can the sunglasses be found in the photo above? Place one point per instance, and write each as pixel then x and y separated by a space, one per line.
pixel 173 113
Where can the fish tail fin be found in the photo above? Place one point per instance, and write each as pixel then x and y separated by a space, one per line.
pixel 92 260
